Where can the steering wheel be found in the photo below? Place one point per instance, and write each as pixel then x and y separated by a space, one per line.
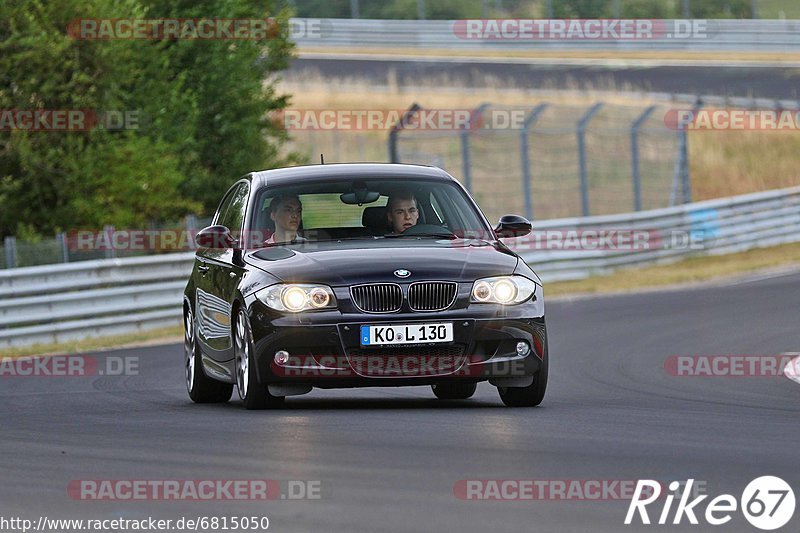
pixel 420 229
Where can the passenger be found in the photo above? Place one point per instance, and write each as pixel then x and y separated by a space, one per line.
pixel 287 213
pixel 402 211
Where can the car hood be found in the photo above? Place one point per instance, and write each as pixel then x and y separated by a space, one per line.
pixel 349 263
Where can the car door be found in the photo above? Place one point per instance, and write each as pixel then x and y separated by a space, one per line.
pixel 227 269
pixel 213 312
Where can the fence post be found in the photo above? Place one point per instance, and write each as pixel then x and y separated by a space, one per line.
pixel 525 160
pixel 466 162
pixel 681 180
pixel 395 131
pixel 10 245
pixel 191 223
pixel 635 170
pixel 61 239
pixel 111 252
pixel 580 131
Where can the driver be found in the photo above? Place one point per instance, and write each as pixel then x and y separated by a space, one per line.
pixel 401 211
pixel 287 213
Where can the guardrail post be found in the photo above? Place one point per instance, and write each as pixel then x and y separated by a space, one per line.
pixel 61 239
pixel 394 157
pixel 10 246
pixel 580 131
pixel 527 179
pixel 466 162
pixel 635 170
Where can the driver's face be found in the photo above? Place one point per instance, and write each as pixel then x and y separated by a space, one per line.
pixel 402 215
pixel 288 215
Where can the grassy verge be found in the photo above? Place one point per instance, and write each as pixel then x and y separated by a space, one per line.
pixel 691 270
pixel 172 334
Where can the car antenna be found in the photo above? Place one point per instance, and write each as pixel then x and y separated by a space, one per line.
pixel 321 159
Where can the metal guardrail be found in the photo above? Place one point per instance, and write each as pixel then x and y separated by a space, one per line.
pixel 55 303
pixel 716 35
pixel 62 302
pixel 717 226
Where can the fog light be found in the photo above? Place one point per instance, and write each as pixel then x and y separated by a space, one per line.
pixel 281 357
pixel 523 348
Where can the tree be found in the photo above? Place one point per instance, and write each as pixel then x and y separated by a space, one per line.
pixel 202 108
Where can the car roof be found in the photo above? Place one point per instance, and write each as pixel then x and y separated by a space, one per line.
pixel 291 175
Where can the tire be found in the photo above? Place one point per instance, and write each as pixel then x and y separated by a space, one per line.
pixel 254 395
pixel 529 396
pixel 454 391
pixel 201 388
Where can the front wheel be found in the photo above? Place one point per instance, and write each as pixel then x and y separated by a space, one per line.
pixel 254 395
pixel 529 396
pixel 202 389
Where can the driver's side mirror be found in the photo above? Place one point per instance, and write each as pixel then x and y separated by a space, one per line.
pixel 218 237
pixel 512 226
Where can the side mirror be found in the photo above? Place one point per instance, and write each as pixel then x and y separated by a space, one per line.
pixel 215 237
pixel 512 226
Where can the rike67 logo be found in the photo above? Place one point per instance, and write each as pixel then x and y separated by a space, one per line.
pixel 767 503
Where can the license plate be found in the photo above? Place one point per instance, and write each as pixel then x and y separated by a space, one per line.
pixel 406 334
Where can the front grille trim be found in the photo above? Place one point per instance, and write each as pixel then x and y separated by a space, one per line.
pixel 382 292
pixel 436 289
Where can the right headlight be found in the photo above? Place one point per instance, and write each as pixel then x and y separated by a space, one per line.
pixel 296 297
pixel 506 290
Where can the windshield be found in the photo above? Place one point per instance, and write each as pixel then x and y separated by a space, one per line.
pixel 367 209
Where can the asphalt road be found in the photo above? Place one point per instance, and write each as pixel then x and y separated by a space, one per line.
pixel 753 81
pixel 388 459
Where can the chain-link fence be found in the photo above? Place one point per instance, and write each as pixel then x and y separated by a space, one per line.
pixel 551 161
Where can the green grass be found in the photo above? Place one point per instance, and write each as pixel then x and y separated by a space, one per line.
pixel 771 9
pixel 172 334
pixel 691 270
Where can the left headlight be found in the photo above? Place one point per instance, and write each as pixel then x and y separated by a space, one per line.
pixel 507 290
pixel 297 297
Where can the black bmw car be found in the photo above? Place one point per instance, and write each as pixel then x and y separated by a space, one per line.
pixel 360 275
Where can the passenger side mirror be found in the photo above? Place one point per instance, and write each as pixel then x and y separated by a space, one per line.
pixel 215 237
pixel 512 226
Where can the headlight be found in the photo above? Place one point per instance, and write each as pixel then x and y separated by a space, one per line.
pixel 508 290
pixel 296 297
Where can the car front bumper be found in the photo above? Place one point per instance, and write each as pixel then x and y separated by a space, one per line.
pixel 324 348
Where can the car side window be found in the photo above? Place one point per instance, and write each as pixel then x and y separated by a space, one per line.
pixel 232 214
